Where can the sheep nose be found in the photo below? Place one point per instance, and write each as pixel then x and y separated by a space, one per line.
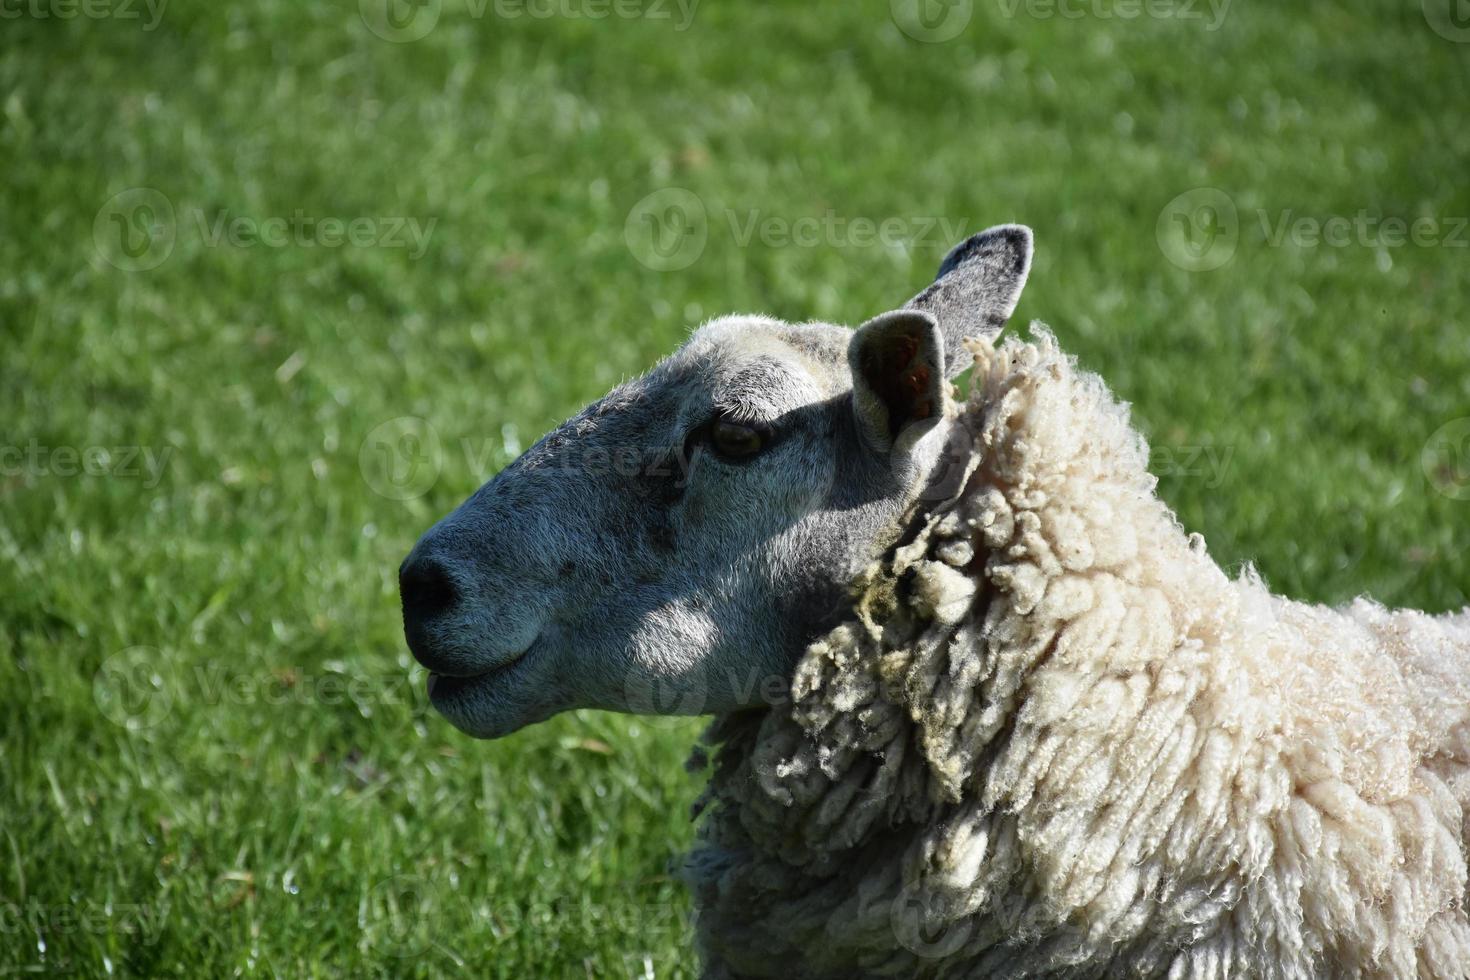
pixel 429 594
pixel 426 588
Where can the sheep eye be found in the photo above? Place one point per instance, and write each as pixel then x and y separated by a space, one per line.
pixel 735 440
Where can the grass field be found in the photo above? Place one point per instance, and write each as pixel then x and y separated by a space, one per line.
pixel 240 245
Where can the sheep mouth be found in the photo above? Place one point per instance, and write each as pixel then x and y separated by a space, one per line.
pixel 446 690
pixel 442 686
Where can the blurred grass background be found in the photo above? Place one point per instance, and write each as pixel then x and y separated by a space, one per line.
pixel 216 756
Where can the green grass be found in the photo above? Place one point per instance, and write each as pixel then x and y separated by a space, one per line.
pixel 259 816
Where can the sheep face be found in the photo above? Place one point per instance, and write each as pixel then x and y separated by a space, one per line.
pixel 673 548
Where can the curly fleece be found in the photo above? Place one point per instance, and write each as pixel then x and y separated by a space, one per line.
pixel 1054 739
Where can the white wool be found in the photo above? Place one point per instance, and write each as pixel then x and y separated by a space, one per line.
pixel 1054 739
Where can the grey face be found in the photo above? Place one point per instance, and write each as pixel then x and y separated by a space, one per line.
pixel 674 547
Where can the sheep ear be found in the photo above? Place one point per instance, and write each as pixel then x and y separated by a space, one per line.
pixel 977 288
pixel 897 362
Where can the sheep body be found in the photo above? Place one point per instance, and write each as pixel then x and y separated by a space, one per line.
pixel 1054 739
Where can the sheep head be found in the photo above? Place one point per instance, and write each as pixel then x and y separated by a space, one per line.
pixel 674 547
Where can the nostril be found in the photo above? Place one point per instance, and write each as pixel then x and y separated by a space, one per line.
pixel 426 588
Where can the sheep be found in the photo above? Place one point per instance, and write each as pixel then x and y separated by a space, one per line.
pixel 1054 739
pixel 1023 725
